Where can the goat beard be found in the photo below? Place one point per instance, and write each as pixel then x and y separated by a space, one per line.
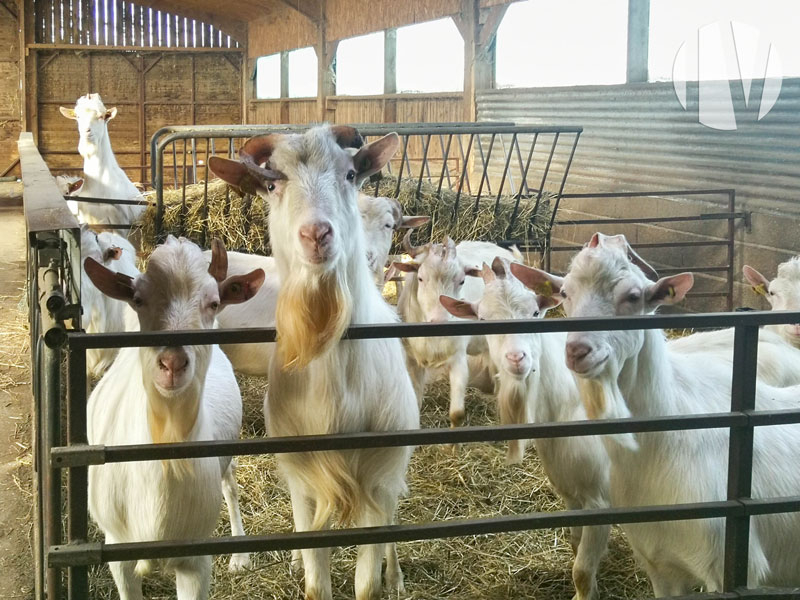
pixel 169 425
pixel 603 399
pixel 311 317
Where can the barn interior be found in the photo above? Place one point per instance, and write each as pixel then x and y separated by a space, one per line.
pixel 693 181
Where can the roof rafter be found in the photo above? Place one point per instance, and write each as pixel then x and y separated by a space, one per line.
pixel 311 9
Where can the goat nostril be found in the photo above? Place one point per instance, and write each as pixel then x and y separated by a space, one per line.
pixel 578 350
pixel 515 357
pixel 317 233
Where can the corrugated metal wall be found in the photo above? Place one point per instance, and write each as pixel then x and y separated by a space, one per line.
pixel 638 137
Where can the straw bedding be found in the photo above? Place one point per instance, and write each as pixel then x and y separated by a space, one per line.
pixel 473 483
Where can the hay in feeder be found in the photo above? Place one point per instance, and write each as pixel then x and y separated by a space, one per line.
pixel 460 217
pixel 240 222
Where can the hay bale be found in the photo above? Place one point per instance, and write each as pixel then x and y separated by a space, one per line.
pixel 240 222
pixel 466 221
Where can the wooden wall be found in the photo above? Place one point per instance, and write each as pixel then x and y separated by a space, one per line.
pixel 149 89
pixel 389 108
pixel 10 106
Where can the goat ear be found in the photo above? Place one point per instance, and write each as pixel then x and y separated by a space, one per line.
pixel 406 267
pixel 240 288
pixel 411 222
pixel 498 267
pixel 347 137
pixel 757 280
pixel 68 112
pixel 74 186
pixel 235 173
pixel 114 285
pixel 218 268
pixel 110 113
pixel 374 156
pixel 389 273
pixel 459 308
pixel 548 302
pixel 669 290
pixel 541 282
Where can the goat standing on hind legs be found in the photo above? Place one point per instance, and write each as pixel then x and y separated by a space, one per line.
pixel 320 384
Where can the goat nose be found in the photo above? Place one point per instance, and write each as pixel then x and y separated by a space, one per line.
pixel 515 357
pixel 577 351
pixel 317 233
pixel 173 361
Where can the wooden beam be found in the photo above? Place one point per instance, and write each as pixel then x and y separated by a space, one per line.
pixel 232 27
pixel 84 47
pixel 326 53
pixel 638 40
pixel 390 61
pixel 311 9
pixel 284 74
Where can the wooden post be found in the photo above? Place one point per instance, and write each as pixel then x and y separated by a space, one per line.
pixel 479 30
pixel 638 40
pixel 284 105
pixel 326 52
pixel 390 75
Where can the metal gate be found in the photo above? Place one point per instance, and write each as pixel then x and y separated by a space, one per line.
pixel 56 330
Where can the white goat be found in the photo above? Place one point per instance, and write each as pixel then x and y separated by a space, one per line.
pixel 101 313
pixel 536 386
pixel 174 394
pixel 380 217
pixel 102 175
pixel 782 293
pixel 635 373
pixel 319 384
pixel 449 270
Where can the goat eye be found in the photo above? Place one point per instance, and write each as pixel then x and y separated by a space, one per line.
pixel 388 226
pixel 563 294
pixel 137 301
pixel 634 297
pixel 214 305
pixel 461 282
pixel 351 175
pixel 419 279
pixel 535 314
pixel 271 187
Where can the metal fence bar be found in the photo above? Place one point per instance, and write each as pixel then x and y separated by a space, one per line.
pixel 643 220
pixel 77 478
pixel 97 553
pixel 407 330
pixel 50 406
pixel 67 456
pixel 740 456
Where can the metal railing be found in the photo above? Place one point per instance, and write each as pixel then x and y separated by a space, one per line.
pixel 534 162
pixel 77 554
pixel 727 238
pixel 54 248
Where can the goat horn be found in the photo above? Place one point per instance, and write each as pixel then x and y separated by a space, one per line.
pixel 218 268
pixel 412 251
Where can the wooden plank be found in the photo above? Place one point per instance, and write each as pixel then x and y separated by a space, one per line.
pixel 45 209
pixel 136 48
pixel 47 34
pixel 86 10
pixel 119 22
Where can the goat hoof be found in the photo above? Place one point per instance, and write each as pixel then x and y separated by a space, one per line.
pixel 239 562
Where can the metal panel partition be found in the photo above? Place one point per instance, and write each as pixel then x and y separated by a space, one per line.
pixel 74 553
